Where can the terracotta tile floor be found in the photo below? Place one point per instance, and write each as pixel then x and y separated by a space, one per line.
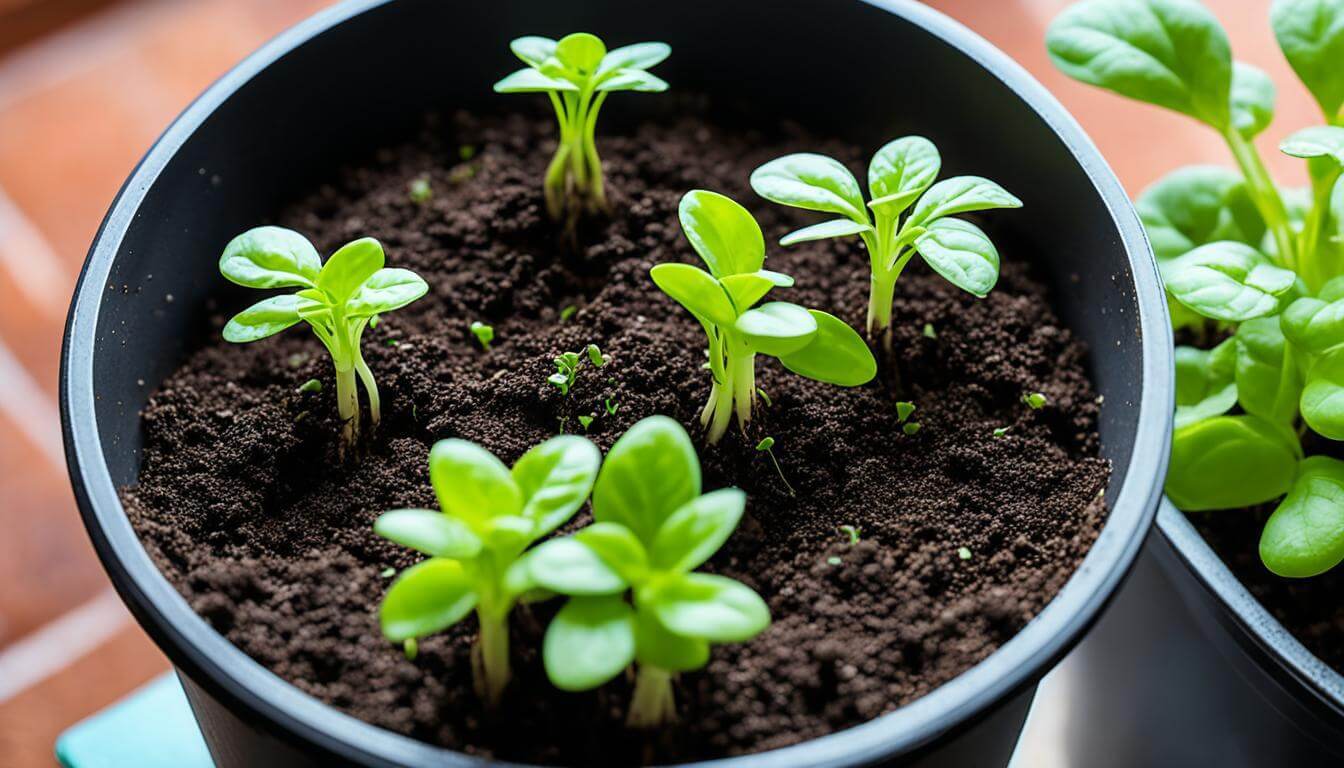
pixel 79 107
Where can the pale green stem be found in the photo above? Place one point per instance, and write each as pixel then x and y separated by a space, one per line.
pixel 490 656
pixel 652 704
pixel 598 184
pixel 347 406
pixel 722 397
pixel 1311 257
pixel 744 387
pixel 1265 195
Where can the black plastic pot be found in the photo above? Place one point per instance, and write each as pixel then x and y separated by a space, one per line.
pixel 338 83
pixel 1188 669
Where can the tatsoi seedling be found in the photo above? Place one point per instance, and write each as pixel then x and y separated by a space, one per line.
pixel 490 516
pixel 808 342
pixel 1034 400
pixel 484 334
pixel 634 595
pixel 1237 250
pixel 767 446
pixel 577 72
pixel 900 175
pixel 337 300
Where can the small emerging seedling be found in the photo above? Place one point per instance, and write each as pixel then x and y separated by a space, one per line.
pixel 311 385
pixel 634 593
pixel 900 175
pixel 577 72
pixel 1034 400
pixel 483 333
pixel 1000 431
pixel 586 421
pixel 567 368
pixel 767 446
pixel 963 553
pixel 420 192
pixel 336 299
pixel 490 516
pixel 808 342
pixel 611 406
pixel 910 428
pixel 568 312
pixel 903 410
pixel 852 533
pixel 929 333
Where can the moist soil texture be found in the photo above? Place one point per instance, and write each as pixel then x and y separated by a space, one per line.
pixel 963 536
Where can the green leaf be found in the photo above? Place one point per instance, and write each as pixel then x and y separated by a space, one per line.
pixel 634 80
pixel 722 232
pixel 1227 281
pixel 471 483
pixel 1252 99
pixel 590 641
pixel 836 355
pixel 825 230
pixel 532 49
pixel 1317 141
pixel 580 52
pixel 636 56
pixel 265 318
pixel 1171 53
pixel 696 531
pixel 426 598
pixel 569 567
pixel 1197 205
pixel 1311 34
pixel 555 479
pixel 900 171
pixel 1229 462
pixel 386 290
pixel 1313 324
pixel 1263 387
pixel 617 546
pixel 656 646
pixel 778 328
pixel 1322 400
pixel 745 290
pixel 430 532
pixel 962 253
pixel 713 608
pixel 1205 382
pixel 1305 535
pixel 648 474
pixel 349 268
pixel 813 182
pixel 531 81
pixel 959 194
pixel 697 291
pixel 271 257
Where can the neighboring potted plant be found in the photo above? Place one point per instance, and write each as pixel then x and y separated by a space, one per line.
pixel 525 548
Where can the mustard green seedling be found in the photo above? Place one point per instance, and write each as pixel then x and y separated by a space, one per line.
pixel 337 300
pixel 634 594
pixel 901 174
pixel 488 516
pixel 808 342
pixel 576 73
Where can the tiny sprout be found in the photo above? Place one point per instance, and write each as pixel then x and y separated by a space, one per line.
pixel 576 73
pixel 311 385
pixel 568 312
pixel 910 427
pixel 466 151
pixel 766 445
pixel 611 406
pixel 1035 400
pixel 903 410
pixel 483 333
pixel 833 560
pixel 963 553
pixel 634 594
pixel 566 370
pixel 595 355
pixel 586 422
pixel 373 321
pixel 388 572
pixel 852 532
pixel 1000 431
pixel 490 514
pixel 420 191
pixel 411 649
pixel 336 299
pixel 929 333
pixel 765 398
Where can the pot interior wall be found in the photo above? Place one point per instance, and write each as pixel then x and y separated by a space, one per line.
pixel 844 68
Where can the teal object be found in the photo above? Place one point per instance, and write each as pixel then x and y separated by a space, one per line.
pixel 151 728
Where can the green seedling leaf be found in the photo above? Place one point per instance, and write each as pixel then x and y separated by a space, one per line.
pixel 533 50
pixel 910 428
pixel 426 598
pixel 1305 535
pixel 711 608
pixel 430 532
pixel 696 290
pixel 1264 388
pixel 825 231
pixel 350 267
pixel 959 194
pixel 567 313
pixel 1322 401
pixel 813 182
pixel 1195 206
pixel 471 483
pixel 1317 141
pixel 1252 99
pixel 1311 34
pixel 1171 53
pixel 419 190
pixel 1000 431
pixel 657 646
pixel 311 385
pixel 1229 462
pixel 532 81
pixel 777 329
pixel 901 171
pixel 555 478
pixel 649 473
pixel 637 56
pixel 724 233
pixel 851 533
pixel 1227 281
pixel 1205 382
pixel 963 553
pixel 570 567
pixel 928 331
pixel 619 548
pixel 580 52
pixel 586 422
pixel 384 291
pixel 1316 324
pixel 765 444
pixel 836 355
pixel 271 257
pixel 962 253
pixel 1034 400
pixel 595 356
pixel 634 80
pixel 903 410
pixel 484 334
pixel 696 530
pixel 590 641
pixel 265 318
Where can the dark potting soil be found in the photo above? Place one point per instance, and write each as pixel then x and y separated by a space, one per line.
pixel 244 505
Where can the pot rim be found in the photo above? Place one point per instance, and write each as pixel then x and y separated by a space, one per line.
pixel 282 709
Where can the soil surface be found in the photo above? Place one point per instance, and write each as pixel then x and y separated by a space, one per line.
pixel 244 505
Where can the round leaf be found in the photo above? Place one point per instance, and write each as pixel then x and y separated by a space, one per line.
pixel 471 483
pixel 426 598
pixel 1311 34
pixel 810 181
pixel 385 291
pixel 696 531
pixel 425 530
pixel 713 608
pixel 637 56
pixel 959 194
pixel 590 641
pixel 1316 141
pixel 555 478
pixel 722 232
pixel 1305 535
pixel 658 647
pixel 648 474
pixel 826 230
pixel 1314 324
pixel 1263 387
pixel 1322 400
pixel 1252 99
pixel 569 567
pixel 1197 205
pixel 1229 462
pixel 746 289
pixel 837 354
pixel 633 80
pixel 349 267
pixel 618 548
pixel 1227 281
pixel 265 318
pixel 901 170
pixel 697 291
pixel 580 52
pixel 271 257
pixel 778 328
pixel 533 49
pixel 962 253
pixel 531 81
pixel 1205 382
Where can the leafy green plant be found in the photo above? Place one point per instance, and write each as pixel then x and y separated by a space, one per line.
pixel 1034 400
pixel 337 300
pixel 808 342
pixel 489 515
pixel 634 593
pixel 577 72
pixel 1244 256
pixel 484 334
pixel 901 175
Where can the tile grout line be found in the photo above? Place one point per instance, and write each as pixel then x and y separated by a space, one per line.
pixel 58 644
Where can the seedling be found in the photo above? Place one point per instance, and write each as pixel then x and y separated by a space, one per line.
pixel 566 371
pixel 903 411
pixel 1034 400
pixel 595 356
pixel 1235 249
pixel 489 516
pixel 1000 431
pixel 852 533
pixel 833 560
pixel 483 333
pixel 910 428
pixel 963 553
pixel 568 312
pixel 577 72
pixel 767 446
pixel 929 333
pixel 764 398
pixel 634 594
pixel 311 385
pixel 808 342
pixel 420 191
pixel 611 406
pixel 586 421
pixel 900 175
pixel 336 299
